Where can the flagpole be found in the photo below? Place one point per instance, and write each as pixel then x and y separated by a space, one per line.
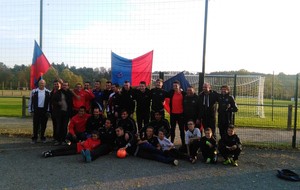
pixel 204 42
pixel 41 24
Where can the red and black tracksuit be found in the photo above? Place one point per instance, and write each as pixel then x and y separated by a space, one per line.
pixel 76 148
pixel 108 138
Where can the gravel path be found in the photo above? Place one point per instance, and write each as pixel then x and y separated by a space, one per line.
pixel 249 135
pixel 22 167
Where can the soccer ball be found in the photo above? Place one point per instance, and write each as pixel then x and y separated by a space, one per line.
pixel 121 153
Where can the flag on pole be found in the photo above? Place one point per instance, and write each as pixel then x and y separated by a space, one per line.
pixel 168 85
pixel 133 70
pixel 184 83
pixel 39 67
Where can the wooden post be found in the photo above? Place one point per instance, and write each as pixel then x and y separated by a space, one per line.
pixel 23 106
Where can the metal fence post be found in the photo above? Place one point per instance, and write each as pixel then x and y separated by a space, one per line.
pixel 289 117
pixel 161 75
pixel 201 82
pixel 234 95
pixel 296 110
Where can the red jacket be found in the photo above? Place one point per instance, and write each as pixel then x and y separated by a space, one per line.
pixel 89 96
pixel 85 97
pixel 89 144
pixel 78 124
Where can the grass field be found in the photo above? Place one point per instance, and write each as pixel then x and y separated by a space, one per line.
pixel 11 107
pixel 275 117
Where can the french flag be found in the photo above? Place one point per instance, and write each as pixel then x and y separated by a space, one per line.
pixel 39 67
pixel 132 70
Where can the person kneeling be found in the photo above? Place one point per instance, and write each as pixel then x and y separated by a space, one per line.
pixel 230 147
pixel 208 146
pixel 192 140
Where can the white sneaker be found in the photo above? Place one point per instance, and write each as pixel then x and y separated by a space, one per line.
pixel 175 162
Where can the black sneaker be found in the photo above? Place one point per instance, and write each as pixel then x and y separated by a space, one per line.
pixel 43 140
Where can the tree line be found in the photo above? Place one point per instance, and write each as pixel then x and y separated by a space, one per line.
pixel 279 86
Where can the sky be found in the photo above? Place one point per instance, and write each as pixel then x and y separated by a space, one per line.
pixel 255 35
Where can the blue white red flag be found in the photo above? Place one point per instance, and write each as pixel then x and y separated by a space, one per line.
pixel 39 67
pixel 133 70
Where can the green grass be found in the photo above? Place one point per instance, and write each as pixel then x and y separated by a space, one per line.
pixel 245 117
pixel 11 107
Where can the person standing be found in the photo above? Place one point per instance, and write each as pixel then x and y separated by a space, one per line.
pixel 113 107
pixel 158 95
pixel 80 98
pixel 106 93
pixel 227 107
pixel 176 111
pixel 143 100
pixel 54 109
pixel 98 100
pixel 190 106
pixel 38 106
pixel 62 102
pixel 208 107
pixel 126 99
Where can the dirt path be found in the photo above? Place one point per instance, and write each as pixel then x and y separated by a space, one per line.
pixel 247 135
pixel 22 167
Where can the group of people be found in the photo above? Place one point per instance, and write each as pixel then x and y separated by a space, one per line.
pixel 94 122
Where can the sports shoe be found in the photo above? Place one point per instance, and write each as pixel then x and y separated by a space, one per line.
pixel 175 162
pixel 193 160
pixel 44 140
pixel 47 154
pixel 68 142
pixel 88 157
pixel 235 163
pixel 227 161
pixel 33 141
pixel 83 155
pixel 208 160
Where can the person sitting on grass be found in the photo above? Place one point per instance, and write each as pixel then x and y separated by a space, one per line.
pixel 230 147
pixel 208 146
pixel 169 148
pixel 83 147
pixel 192 140
pixel 128 142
